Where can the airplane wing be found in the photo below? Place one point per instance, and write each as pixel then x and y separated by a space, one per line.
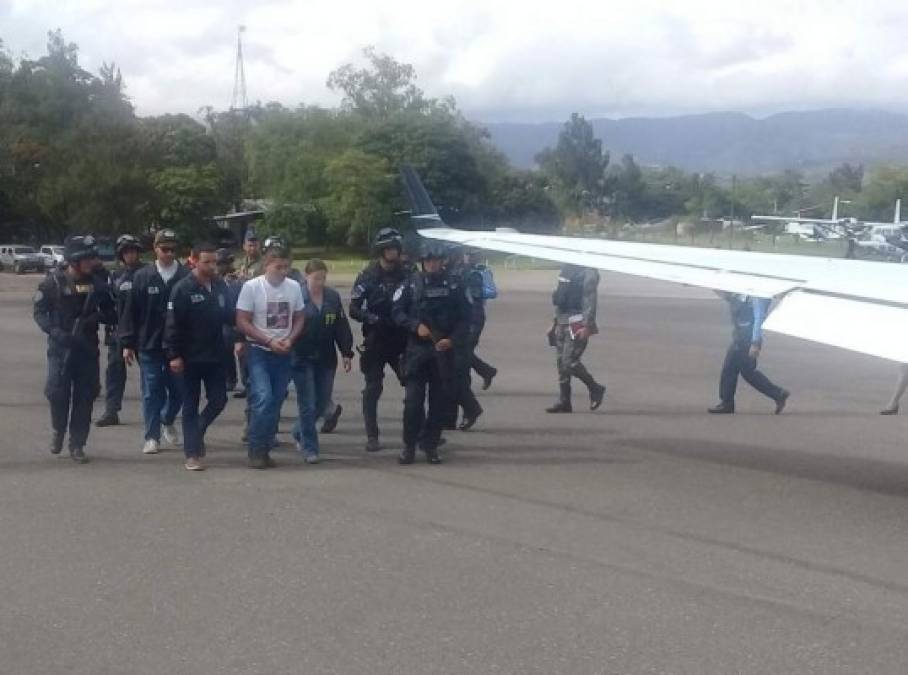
pixel 853 304
pixel 792 219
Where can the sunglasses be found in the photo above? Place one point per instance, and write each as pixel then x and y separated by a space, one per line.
pixel 167 249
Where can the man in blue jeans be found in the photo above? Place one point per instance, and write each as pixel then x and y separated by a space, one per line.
pixel 269 312
pixel 141 331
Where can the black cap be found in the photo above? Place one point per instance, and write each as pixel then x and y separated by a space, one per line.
pixel 275 241
pixel 165 237
pixel 79 248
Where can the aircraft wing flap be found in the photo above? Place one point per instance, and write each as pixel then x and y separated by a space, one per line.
pixel 857 324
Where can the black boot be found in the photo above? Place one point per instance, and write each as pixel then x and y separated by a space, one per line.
pixel 108 419
pixel 407 455
pixel 78 456
pixel 432 456
pixel 564 401
pixel 487 381
pixel 597 393
pixel 330 423
pixel 56 443
pixel 722 408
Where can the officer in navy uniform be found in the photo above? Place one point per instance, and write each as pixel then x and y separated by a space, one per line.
pixel 471 284
pixel 433 309
pixel 228 275
pixel 575 321
pixel 747 315
pixel 68 306
pixel 129 248
pixel 384 341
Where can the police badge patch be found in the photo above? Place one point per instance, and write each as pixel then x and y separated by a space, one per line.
pixel 398 293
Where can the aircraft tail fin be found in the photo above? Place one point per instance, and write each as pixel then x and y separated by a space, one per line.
pixel 898 212
pixel 835 210
pixel 422 210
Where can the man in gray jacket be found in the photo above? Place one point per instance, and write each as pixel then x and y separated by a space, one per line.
pixel 575 321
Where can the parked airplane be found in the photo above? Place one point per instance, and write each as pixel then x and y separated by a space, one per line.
pixel 853 304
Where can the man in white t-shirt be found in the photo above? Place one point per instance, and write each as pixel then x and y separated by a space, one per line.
pixel 269 312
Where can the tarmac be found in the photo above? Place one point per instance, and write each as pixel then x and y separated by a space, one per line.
pixel 646 537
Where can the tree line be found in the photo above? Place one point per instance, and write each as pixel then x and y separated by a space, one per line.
pixel 75 157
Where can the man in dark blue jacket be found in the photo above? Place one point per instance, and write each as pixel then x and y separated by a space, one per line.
pixel 141 332
pixel 747 316
pixel 199 308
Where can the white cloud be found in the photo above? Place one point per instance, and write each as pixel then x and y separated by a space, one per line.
pixel 505 59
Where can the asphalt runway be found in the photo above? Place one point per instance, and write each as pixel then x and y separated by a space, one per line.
pixel 647 537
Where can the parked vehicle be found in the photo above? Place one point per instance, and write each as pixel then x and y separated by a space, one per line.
pixel 20 259
pixel 52 254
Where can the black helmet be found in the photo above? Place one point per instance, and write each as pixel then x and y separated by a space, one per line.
pixel 225 256
pixel 387 237
pixel 127 241
pixel 275 241
pixel 79 248
pixel 432 248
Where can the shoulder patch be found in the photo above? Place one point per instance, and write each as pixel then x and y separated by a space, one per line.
pixel 196 298
pixel 169 304
pixel 125 286
pixel 39 296
pixel 398 294
pixel 154 290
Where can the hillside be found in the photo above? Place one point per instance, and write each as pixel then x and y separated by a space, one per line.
pixel 732 142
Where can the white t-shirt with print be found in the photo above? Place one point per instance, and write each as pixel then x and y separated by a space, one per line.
pixel 272 307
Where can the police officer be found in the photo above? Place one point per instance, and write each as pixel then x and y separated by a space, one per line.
pixel 384 341
pixel 432 308
pixel 68 306
pixel 476 274
pixel 227 274
pixel 251 264
pixel 141 332
pixel 747 315
pixel 129 248
pixel 193 342
pixel 458 268
pixel 575 321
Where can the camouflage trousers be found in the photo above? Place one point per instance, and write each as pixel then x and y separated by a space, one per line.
pixel 568 354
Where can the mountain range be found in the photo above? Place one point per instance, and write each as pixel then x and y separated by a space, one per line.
pixel 730 142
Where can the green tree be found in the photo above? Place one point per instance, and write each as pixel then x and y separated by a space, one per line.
pixel 576 166
pixel 384 88
pixel 359 198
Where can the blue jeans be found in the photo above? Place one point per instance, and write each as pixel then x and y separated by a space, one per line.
pixel 214 377
pixel 314 383
pixel 269 376
pixel 162 393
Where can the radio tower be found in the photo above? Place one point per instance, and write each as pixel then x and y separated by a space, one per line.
pixel 239 75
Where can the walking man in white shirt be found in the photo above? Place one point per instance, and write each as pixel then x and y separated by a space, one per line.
pixel 269 312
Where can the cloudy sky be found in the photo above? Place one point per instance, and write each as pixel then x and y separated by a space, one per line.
pixel 501 59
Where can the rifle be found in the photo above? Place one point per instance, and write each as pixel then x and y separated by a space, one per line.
pixel 76 330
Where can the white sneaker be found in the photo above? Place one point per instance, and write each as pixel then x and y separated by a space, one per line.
pixel 150 447
pixel 171 435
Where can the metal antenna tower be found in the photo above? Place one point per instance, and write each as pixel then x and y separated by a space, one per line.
pixel 239 75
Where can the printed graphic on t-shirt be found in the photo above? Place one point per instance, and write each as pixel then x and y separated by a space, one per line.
pixel 278 315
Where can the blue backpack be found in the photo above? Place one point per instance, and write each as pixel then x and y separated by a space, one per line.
pixel 489 289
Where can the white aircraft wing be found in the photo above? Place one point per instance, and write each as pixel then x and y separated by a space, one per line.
pixel 857 305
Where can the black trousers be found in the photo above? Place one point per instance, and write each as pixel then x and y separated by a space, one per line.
pixel 428 374
pixel 372 361
pixel 71 391
pixel 464 397
pixel 213 376
pixel 739 362
pixel 114 379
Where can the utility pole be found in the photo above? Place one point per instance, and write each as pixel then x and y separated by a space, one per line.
pixel 239 75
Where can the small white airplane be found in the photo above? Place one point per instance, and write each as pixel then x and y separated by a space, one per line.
pixel 852 304
pixel 887 240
